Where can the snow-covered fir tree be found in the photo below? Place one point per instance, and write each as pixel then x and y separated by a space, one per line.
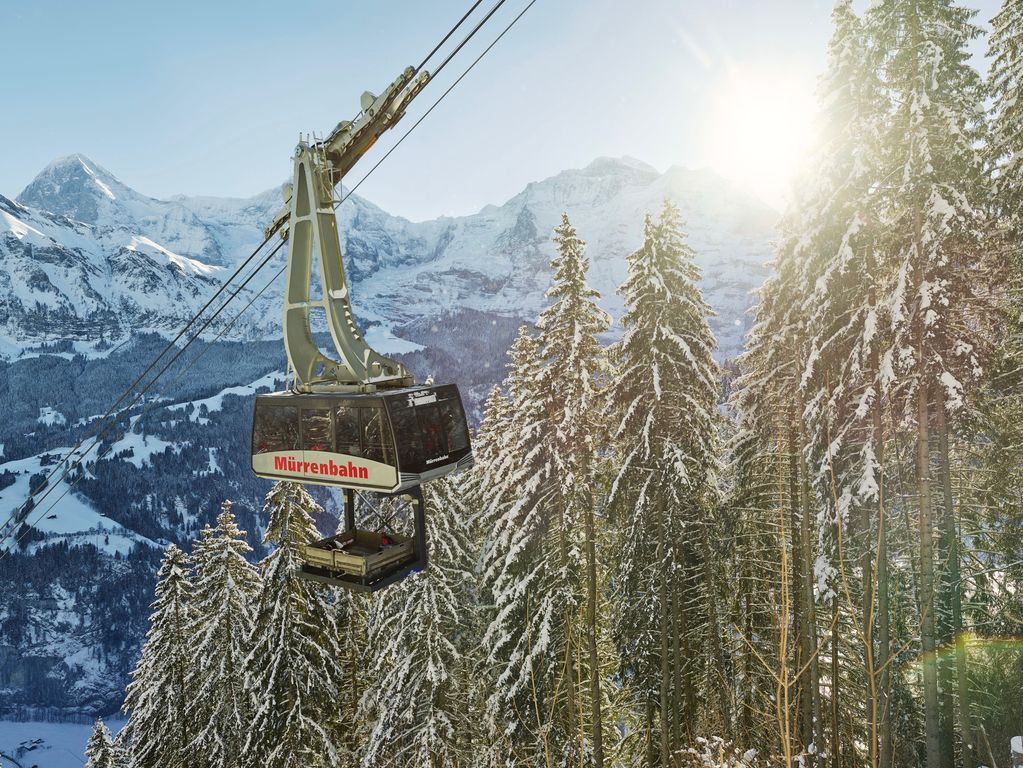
pixel 663 399
pixel 293 674
pixel 423 648
pixel 350 621
pixel 941 297
pixel 1005 140
pixel 767 401
pixel 157 698
pixel 224 589
pixel 101 751
pixel 541 560
pixel 833 228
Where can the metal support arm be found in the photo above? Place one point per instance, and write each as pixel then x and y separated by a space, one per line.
pixel 308 221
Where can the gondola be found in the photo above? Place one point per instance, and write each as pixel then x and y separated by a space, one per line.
pixel 354 420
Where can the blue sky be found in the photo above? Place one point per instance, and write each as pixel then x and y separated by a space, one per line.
pixel 209 97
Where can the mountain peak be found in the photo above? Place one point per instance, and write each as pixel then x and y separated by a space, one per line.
pixel 619 164
pixel 73 186
pixel 76 159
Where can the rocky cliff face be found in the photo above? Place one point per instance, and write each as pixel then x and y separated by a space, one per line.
pixel 93 277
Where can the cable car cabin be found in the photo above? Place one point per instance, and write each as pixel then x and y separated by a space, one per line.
pixel 385 441
pixel 389 442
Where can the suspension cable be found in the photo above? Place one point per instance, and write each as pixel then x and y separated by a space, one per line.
pixel 468 37
pixel 141 418
pixel 438 101
pixel 437 47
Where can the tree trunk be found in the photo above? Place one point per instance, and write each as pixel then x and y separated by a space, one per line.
pixel 804 696
pixel 932 725
pixel 836 732
pixel 651 751
pixel 883 609
pixel 591 636
pixel 951 537
pixel 679 698
pixel 665 669
pixel 573 734
pixel 715 672
pixel 810 605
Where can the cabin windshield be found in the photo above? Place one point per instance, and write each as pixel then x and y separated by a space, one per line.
pixel 376 435
pixel 406 431
pixel 316 432
pixel 454 425
pixel 363 431
pixel 276 429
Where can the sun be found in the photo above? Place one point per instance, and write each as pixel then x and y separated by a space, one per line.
pixel 760 130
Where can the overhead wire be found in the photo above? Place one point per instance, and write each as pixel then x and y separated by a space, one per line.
pixel 12 517
pixel 149 409
pixel 50 486
pixel 451 31
pixel 497 5
pixel 438 101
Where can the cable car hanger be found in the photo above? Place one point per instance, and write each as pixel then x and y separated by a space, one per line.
pixel 308 221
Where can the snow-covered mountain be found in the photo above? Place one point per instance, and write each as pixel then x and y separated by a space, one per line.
pixel 79 247
pixel 66 279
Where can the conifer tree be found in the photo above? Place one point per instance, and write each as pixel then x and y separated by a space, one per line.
pixel 542 562
pixel 507 479
pixel 569 381
pixel 940 300
pixel 663 400
pixel 292 670
pixel 100 750
pixel 157 697
pixel 1005 143
pixel 224 588
pixel 838 236
pixel 422 648
pixel 351 640
pixel 769 407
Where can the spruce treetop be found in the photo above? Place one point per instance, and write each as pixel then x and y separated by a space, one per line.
pixel 100 750
pixel 289 508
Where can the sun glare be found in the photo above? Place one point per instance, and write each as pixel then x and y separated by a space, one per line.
pixel 760 131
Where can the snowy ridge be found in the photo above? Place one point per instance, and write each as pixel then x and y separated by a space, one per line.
pixel 73 281
pixel 86 257
pixel 203 408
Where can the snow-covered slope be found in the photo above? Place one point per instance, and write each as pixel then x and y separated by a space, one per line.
pixel 62 279
pixel 80 249
pixel 497 260
pixel 48 745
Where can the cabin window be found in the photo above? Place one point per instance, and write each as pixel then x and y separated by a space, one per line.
pixel 406 435
pixel 454 425
pixel 376 436
pixel 434 440
pixel 276 429
pixel 346 427
pixel 316 429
